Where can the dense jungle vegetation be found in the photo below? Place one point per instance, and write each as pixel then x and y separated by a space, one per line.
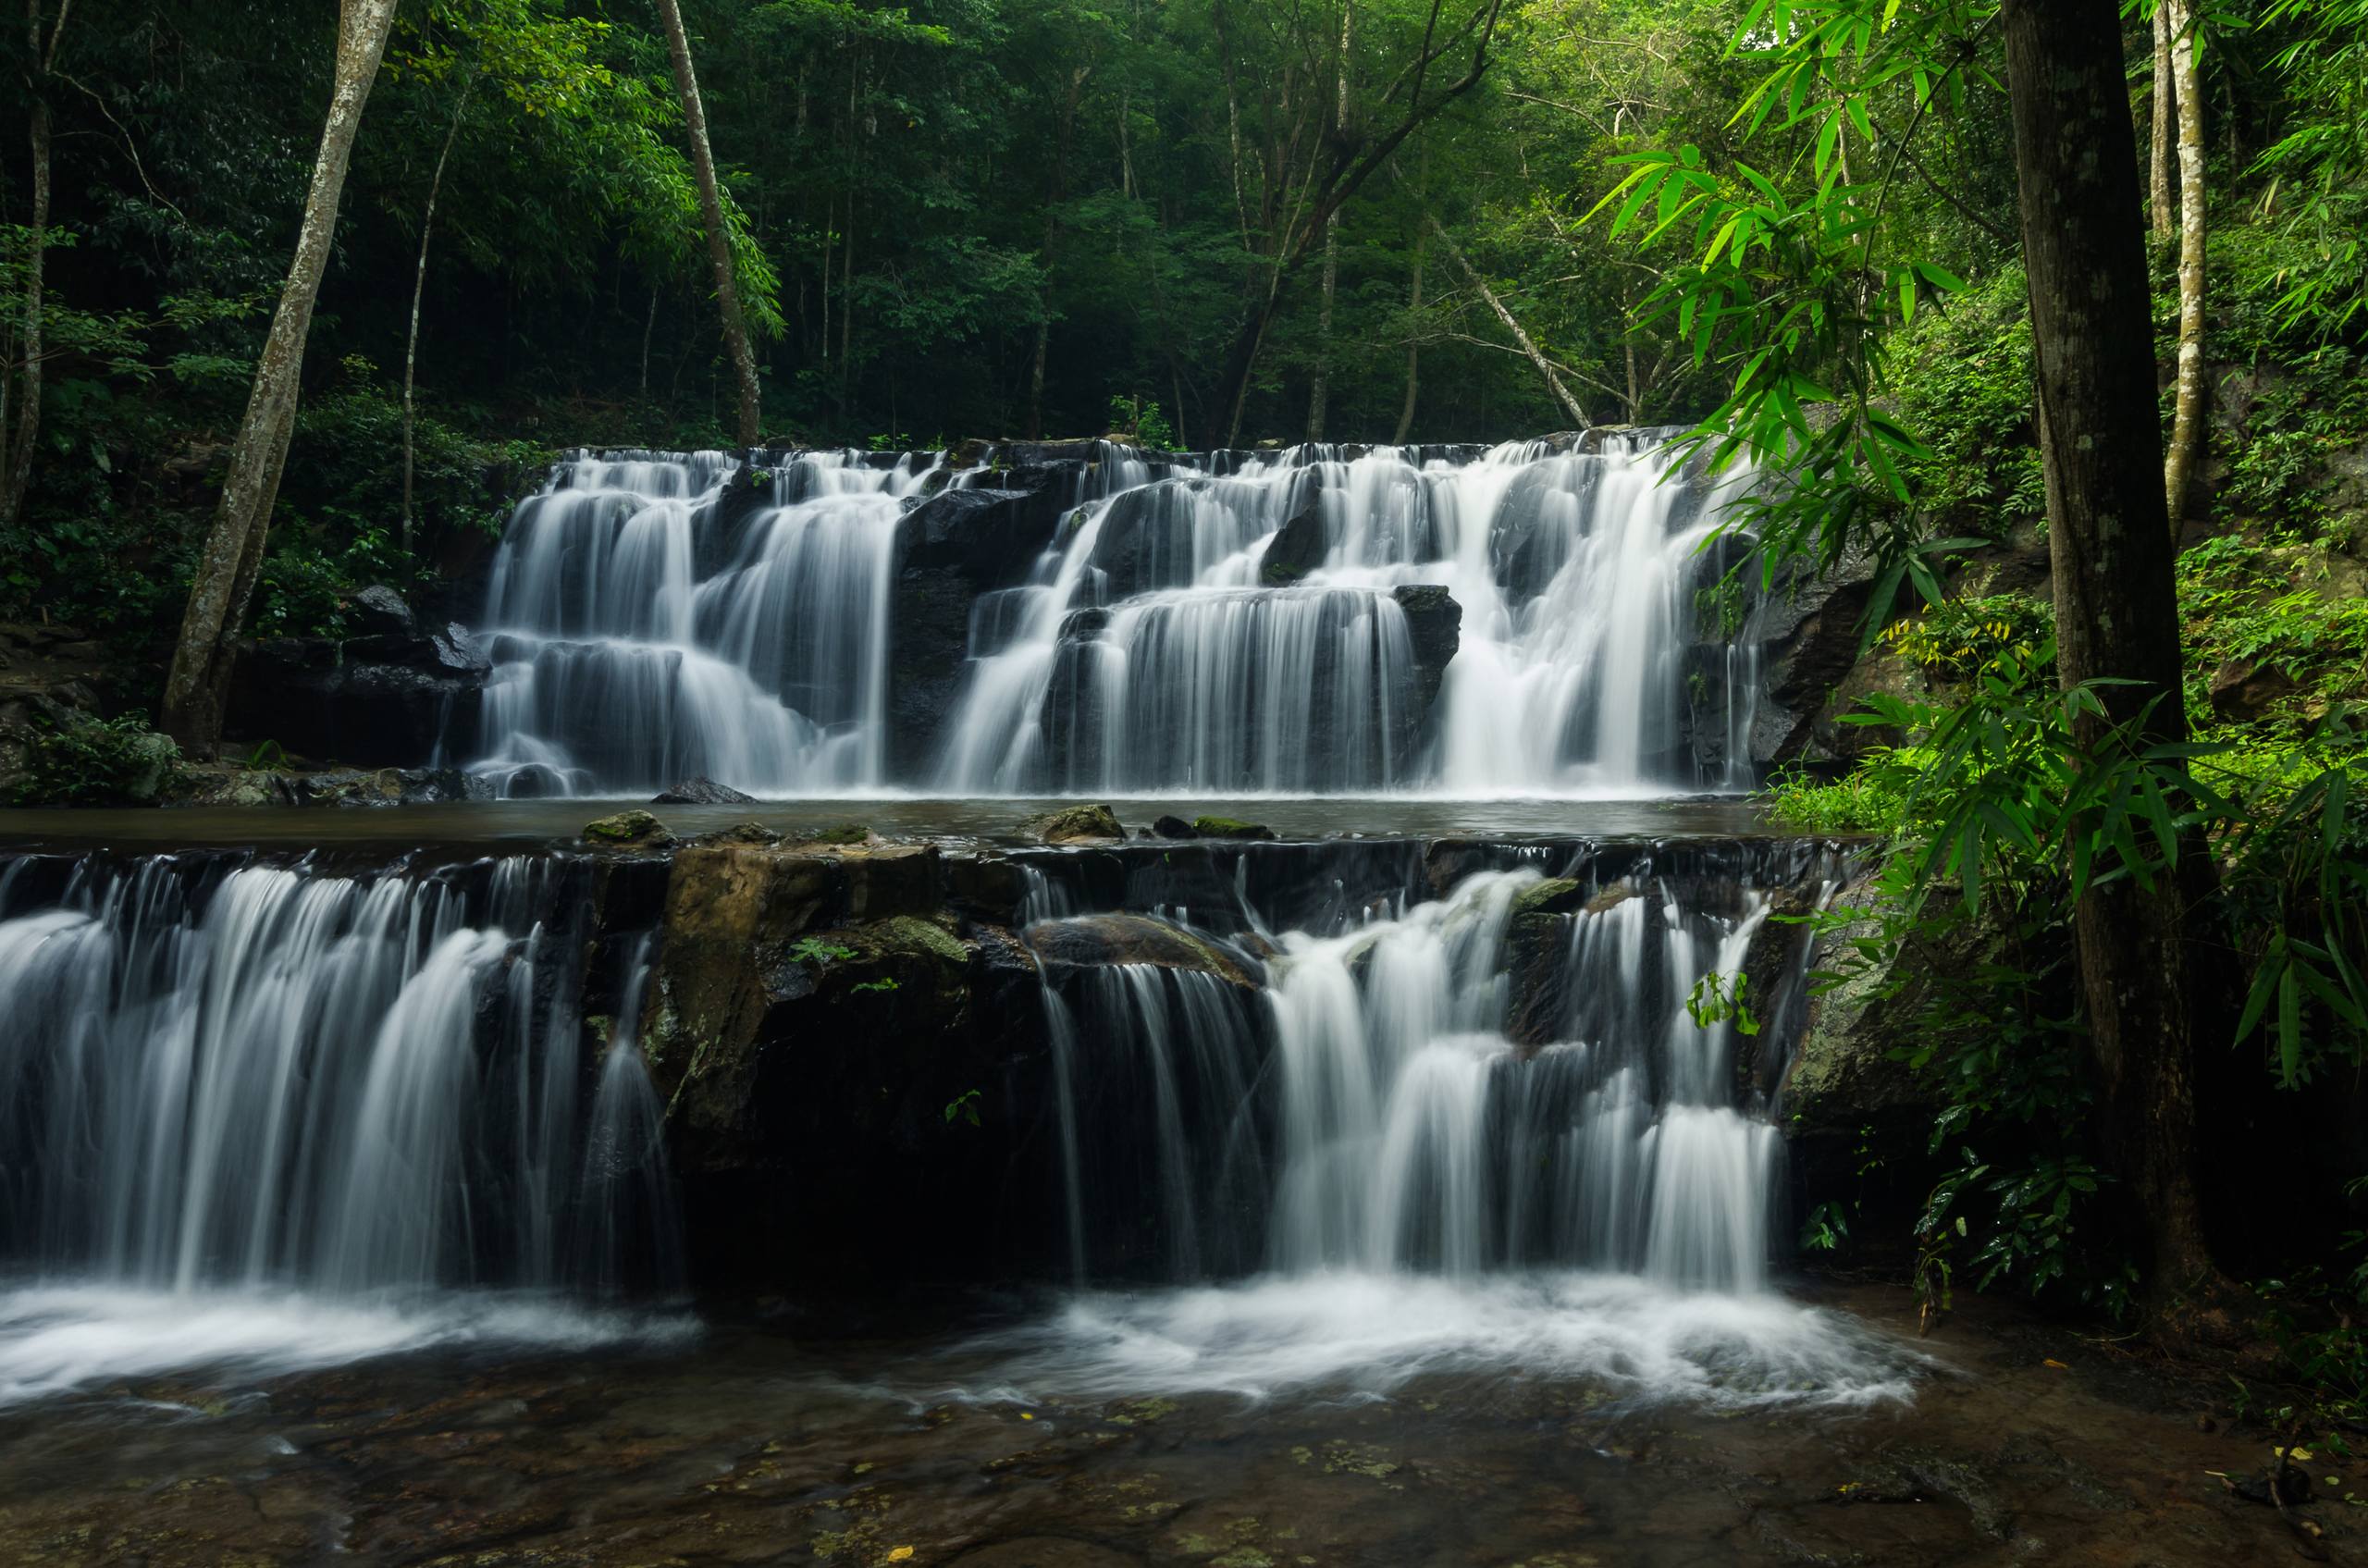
pixel 2104 712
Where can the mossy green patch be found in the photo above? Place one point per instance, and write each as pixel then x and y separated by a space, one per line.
pixel 1230 827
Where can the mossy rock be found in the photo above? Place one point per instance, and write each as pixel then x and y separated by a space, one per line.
pixel 634 830
pixel 1230 827
pixel 1555 895
pixel 846 833
pixel 1072 824
pixel 742 832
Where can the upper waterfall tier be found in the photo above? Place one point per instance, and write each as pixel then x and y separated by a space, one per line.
pixel 1548 618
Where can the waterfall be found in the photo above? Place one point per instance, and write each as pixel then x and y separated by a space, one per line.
pixel 1454 1085
pixel 1477 1131
pixel 1236 633
pixel 256 1076
pixel 1229 624
pixel 651 619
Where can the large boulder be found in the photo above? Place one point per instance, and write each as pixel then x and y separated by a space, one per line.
pixel 383 698
pixel 953 547
pixel 1297 548
pixel 1090 942
pixel 701 791
pixel 812 1016
pixel 1075 824
pixel 1434 624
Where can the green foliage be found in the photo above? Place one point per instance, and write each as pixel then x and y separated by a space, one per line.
pixel 2319 168
pixel 965 1106
pixel 1717 998
pixel 84 761
pixel 814 950
pixel 1958 639
pixel 1140 423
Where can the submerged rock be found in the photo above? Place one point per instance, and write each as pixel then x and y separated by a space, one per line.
pixel 1099 940
pixel 1074 824
pixel 701 790
pixel 1228 827
pixel 635 829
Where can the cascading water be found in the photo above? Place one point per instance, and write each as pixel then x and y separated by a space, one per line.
pixel 1487 1131
pixel 304 1108
pixel 1238 624
pixel 644 632
pixel 1241 633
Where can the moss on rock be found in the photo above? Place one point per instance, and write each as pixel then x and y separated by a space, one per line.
pixel 1230 827
pixel 635 828
pixel 1073 824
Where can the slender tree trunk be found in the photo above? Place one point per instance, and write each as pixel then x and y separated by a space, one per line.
pixel 1413 348
pixel 719 238
pixel 198 681
pixel 2186 418
pixel 1320 390
pixel 2159 151
pixel 2147 969
pixel 648 330
pixel 1521 339
pixel 17 457
pixel 418 293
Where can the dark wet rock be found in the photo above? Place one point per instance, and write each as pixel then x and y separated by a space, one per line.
pixel 1045 1551
pixel 1297 548
pixel 1173 827
pixel 741 832
pixel 635 829
pixel 952 547
pixel 1228 827
pixel 1919 1475
pixel 2292 1483
pixel 2243 690
pixel 381 700
pixel 1555 895
pixel 1074 824
pixel 1807 630
pixel 1099 940
pixel 1434 624
pixel 379 611
pixel 701 790
pixel 1146 541
pixel 812 1012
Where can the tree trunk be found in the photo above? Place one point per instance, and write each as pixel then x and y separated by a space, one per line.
pixel 719 238
pixel 1528 346
pixel 16 455
pixel 1413 348
pixel 2147 970
pixel 1319 391
pixel 2187 418
pixel 2160 155
pixel 225 579
pixel 419 291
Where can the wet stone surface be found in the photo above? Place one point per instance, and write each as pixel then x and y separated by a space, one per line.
pixel 757 1444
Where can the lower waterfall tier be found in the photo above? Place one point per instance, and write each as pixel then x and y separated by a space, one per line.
pixel 1174 1062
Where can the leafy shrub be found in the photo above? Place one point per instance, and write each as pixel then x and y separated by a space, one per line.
pixel 84 761
pixel 1958 639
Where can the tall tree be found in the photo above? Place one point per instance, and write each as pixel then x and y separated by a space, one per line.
pixel 1320 386
pixel 225 580
pixel 719 238
pixel 2186 418
pixel 17 442
pixel 2146 967
pixel 2162 148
